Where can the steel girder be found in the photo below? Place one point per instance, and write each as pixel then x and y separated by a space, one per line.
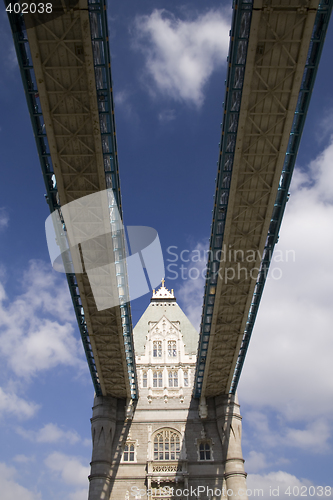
pixel 69 86
pixel 268 53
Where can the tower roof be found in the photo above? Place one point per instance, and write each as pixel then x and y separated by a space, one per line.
pixel 163 303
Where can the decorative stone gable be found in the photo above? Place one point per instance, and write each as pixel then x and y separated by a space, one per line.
pixel 165 370
pixel 164 328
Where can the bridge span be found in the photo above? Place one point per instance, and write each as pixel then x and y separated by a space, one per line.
pixel 274 52
pixel 170 436
pixel 275 48
pixel 65 66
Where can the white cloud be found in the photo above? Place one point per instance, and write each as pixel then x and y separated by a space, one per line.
pixel 255 461
pixel 69 468
pixel 12 404
pixel 11 489
pixel 290 355
pixel 23 459
pixel 50 433
pixel 288 368
pixel 78 495
pixel 182 55
pixel 37 330
pixel 261 431
pixel 4 218
pixel 314 437
pixel 277 484
pixel 86 442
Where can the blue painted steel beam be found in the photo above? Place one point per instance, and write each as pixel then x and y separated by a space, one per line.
pixel 102 62
pixel 239 37
pixel 229 131
pixel 309 76
pixel 52 198
pixel 101 53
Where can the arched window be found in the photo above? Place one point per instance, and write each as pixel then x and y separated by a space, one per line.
pixel 157 379
pixel 167 445
pixel 172 348
pixel 129 452
pixel 144 379
pixel 157 349
pixel 185 374
pixel 173 379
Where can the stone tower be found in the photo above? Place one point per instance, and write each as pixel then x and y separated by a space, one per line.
pixel 167 445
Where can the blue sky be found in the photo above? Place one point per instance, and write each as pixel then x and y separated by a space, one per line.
pixel 168 68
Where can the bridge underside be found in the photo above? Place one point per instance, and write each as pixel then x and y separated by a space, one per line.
pixel 72 71
pixel 274 41
pixel 69 95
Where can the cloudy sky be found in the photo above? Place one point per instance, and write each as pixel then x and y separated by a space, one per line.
pixel 169 67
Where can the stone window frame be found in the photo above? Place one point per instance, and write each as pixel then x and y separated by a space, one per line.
pixel 129 444
pixel 173 375
pixel 199 443
pixel 145 379
pixel 186 377
pixel 172 348
pixel 158 379
pixel 157 348
pixel 167 449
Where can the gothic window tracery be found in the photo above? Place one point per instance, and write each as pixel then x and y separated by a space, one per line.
pixel 167 445
pixel 157 349
pixel 172 348
pixel 185 377
pixel 173 378
pixel 144 379
pixel 157 379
